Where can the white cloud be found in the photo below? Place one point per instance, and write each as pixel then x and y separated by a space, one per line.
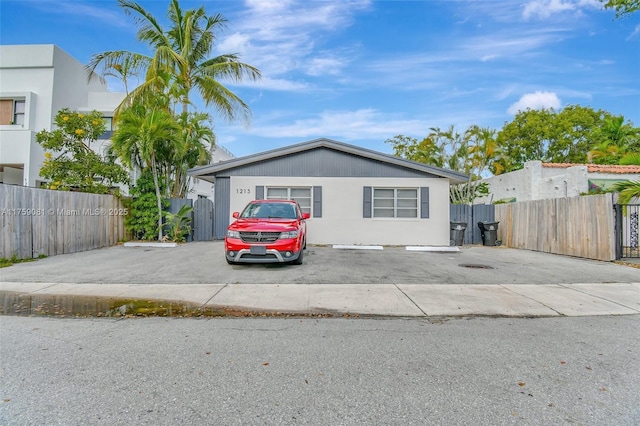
pixel 348 125
pixel 234 43
pixel 282 38
pixel 324 66
pixel 544 9
pixel 268 83
pixel 106 15
pixel 536 100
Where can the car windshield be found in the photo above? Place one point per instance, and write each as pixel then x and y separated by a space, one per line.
pixel 269 211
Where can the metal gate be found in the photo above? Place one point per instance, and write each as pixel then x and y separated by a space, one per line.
pixel 472 215
pixel 203 220
pixel 627 234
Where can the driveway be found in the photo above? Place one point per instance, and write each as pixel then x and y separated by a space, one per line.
pixel 203 263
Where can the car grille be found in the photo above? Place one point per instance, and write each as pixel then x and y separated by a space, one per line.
pixel 259 237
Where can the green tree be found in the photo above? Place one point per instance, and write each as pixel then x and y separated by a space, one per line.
pixel 70 162
pixel 124 71
pixel 469 152
pixel 613 141
pixel 565 136
pixel 622 7
pixel 146 130
pixel 193 149
pixel 182 52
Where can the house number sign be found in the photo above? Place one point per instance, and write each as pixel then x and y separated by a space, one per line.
pixel 243 191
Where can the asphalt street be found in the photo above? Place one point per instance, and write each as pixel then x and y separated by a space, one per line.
pixel 481 371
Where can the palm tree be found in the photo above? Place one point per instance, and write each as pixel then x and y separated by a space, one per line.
pixel 182 51
pixel 123 71
pixel 628 189
pixel 143 129
pixel 194 149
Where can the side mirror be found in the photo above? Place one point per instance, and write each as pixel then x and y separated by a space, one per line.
pixel 236 215
pixel 306 215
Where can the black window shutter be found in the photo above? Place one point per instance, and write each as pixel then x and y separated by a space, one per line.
pixel 424 202
pixel 259 192
pixel 317 201
pixel 366 201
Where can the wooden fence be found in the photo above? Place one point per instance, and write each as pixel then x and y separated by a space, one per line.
pixel 43 222
pixel 578 226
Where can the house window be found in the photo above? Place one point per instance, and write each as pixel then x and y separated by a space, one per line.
pixel 395 202
pixel 302 195
pixel 18 112
pixel 108 123
pixel 108 132
pixel 12 111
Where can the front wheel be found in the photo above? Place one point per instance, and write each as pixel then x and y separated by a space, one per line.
pixel 298 261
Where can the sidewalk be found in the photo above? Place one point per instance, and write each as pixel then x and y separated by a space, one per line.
pixel 385 300
pixel 194 279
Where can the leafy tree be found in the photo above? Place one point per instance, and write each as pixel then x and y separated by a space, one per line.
pixel 469 152
pixel 622 7
pixel 182 52
pixel 145 130
pixel 193 149
pixel 70 163
pixel 613 141
pixel 565 136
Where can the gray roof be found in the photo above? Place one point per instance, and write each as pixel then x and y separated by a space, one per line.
pixel 209 172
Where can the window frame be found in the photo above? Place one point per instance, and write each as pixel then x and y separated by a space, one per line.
pixel 22 113
pixel 15 117
pixel 303 208
pixel 395 207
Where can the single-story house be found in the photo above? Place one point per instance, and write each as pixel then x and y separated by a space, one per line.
pixel 541 181
pixel 354 195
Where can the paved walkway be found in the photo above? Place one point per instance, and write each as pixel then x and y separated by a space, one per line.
pixel 409 300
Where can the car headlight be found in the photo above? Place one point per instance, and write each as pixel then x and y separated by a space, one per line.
pixel 289 234
pixel 233 234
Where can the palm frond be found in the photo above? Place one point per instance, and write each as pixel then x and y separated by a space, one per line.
pixel 631 159
pixel 629 190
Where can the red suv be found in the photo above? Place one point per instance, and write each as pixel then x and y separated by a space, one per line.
pixel 267 231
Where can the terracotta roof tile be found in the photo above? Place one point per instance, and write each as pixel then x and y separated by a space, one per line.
pixel 597 168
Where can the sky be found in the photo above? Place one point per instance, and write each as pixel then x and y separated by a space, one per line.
pixel 364 71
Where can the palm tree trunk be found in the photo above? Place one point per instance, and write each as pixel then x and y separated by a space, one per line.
pixel 158 199
pixel 177 182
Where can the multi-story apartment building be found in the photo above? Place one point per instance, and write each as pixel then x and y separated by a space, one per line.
pixel 36 81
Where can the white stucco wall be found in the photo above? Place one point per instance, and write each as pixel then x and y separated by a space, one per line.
pixel 342 200
pixel 535 182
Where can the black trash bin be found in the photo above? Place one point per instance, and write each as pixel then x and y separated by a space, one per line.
pixel 489 233
pixel 457 233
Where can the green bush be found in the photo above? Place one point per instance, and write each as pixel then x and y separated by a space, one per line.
pixel 143 220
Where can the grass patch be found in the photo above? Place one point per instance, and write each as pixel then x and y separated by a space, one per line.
pixel 4 262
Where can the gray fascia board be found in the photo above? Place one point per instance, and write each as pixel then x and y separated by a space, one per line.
pixel 212 169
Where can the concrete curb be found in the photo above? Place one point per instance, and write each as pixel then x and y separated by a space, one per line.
pixel 382 300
